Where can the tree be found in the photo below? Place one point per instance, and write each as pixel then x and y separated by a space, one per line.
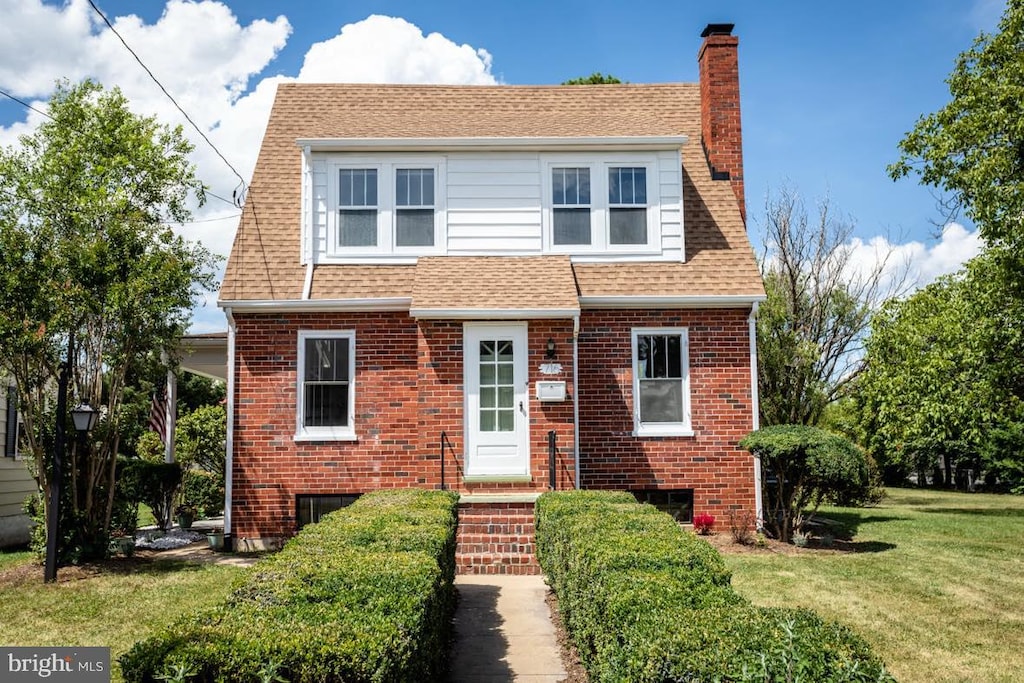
pixel 973 148
pixel 200 439
pixel 810 330
pixel 805 466
pixel 596 78
pixel 943 379
pixel 87 256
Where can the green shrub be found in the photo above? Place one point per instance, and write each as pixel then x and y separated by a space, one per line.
pixel 203 491
pixel 366 594
pixel 645 601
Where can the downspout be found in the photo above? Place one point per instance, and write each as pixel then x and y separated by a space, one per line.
pixel 229 442
pixel 307 220
pixel 576 397
pixel 756 412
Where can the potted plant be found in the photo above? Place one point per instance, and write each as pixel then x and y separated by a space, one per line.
pixel 123 544
pixel 185 514
pixel 215 538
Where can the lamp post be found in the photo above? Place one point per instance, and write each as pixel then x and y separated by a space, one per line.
pixel 53 509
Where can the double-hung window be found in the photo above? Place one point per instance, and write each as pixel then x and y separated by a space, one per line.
pixel 627 205
pixel 414 207
pixel 661 383
pixel 596 203
pixel 357 207
pixel 326 385
pixel 570 206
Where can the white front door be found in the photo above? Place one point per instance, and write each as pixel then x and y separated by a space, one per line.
pixel 497 421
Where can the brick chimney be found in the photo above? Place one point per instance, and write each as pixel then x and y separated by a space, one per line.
pixel 720 107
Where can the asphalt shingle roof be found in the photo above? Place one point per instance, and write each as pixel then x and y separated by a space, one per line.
pixel 264 262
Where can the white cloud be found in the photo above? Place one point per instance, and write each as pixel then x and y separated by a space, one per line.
pixel 207 60
pixel 383 49
pixel 921 263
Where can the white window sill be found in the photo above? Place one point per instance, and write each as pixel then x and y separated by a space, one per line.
pixel 667 430
pixel 325 436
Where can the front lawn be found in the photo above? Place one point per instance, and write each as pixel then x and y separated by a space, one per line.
pixel 112 604
pixel 935 582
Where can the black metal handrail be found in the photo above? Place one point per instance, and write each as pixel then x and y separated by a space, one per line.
pixel 446 440
pixel 551 459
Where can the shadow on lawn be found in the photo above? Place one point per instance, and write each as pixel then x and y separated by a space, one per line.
pixel 845 526
pixel 984 512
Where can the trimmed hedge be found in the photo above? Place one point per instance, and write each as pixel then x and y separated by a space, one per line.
pixel 366 594
pixel 645 601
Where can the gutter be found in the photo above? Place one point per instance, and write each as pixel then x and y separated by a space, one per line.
pixel 606 143
pixel 710 301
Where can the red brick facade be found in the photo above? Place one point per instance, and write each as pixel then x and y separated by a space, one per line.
pixel 409 388
pixel 720 473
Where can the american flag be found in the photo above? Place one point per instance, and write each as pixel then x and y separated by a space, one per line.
pixel 158 414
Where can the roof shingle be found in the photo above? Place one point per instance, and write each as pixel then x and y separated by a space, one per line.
pixel 264 262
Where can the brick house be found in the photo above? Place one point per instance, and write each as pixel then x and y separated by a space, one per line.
pixel 469 287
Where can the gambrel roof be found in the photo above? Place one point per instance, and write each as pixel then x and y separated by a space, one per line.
pixel 265 261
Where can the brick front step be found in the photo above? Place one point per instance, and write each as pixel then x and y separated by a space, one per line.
pixel 495 538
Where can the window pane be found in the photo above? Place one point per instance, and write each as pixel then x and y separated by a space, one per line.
pixel 486 350
pixel 487 375
pixel 628 226
pixel 414 228
pixel 661 400
pixel 660 356
pixel 505 351
pixel 357 187
pixel 571 226
pixel 505 375
pixel 357 228
pixel 487 421
pixel 506 397
pixel 325 405
pixel 627 185
pixel 326 360
pixel 570 186
pixel 506 420
pixel 487 397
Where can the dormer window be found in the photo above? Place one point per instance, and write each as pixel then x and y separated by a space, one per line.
pixel 627 205
pixel 602 204
pixel 357 207
pixel 570 189
pixel 414 207
pixel 385 206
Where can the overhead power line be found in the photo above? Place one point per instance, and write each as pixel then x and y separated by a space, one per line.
pixel 160 85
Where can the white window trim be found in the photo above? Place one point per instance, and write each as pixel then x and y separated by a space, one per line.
pixel 683 428
pixel 346 433
pixel 600 220
pixel 386 167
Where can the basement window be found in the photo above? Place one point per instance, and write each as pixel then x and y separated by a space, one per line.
pixel 676 502
pixel 309 509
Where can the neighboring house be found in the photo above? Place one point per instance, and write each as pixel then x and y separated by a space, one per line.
pixel 430 282
pixel 15 481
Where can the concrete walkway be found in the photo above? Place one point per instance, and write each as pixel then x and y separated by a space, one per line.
pixel 503 631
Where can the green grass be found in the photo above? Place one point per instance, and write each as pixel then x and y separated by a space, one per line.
pixel 113 608
pixel 936 583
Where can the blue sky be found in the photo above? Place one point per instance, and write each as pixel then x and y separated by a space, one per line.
pixel 827 89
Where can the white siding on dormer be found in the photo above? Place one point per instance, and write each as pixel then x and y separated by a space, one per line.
pixel 494 203
pixel 670 185
pixel 319 208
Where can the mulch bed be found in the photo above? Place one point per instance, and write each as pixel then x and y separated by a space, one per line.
pixel 575 673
